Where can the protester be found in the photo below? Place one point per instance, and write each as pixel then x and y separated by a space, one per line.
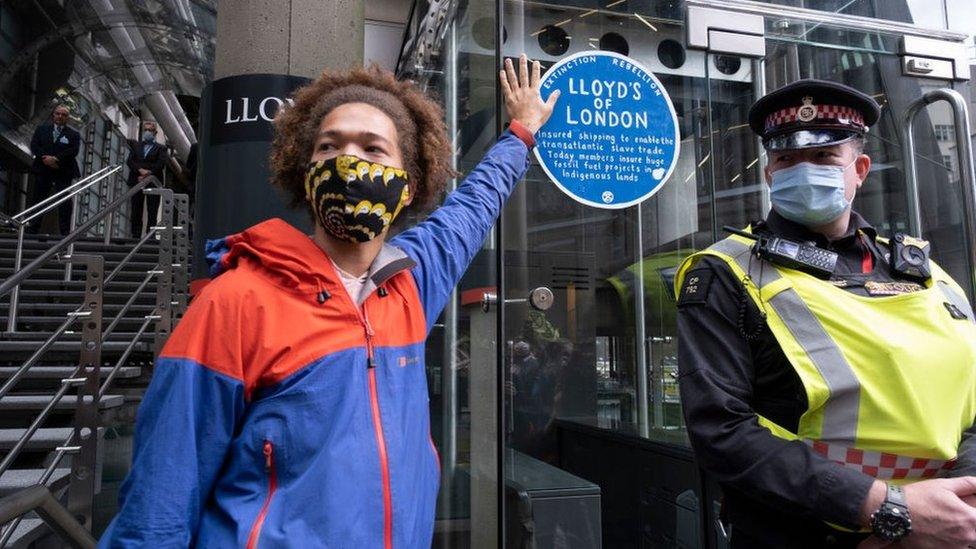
pixel 290 405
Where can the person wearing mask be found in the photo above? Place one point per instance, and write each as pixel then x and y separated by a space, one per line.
pixel 289 407
pixel 828 382
pixel 147 161
pixel 54 147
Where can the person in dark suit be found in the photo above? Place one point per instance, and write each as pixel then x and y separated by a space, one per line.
pixel 54 147
pixel 147 160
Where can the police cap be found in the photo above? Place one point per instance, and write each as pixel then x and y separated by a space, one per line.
pixel 812 113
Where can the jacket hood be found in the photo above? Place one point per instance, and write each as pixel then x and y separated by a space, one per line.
pixel 291 258
pixel 282 252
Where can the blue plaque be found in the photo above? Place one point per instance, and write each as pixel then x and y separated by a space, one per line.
pixel 613 138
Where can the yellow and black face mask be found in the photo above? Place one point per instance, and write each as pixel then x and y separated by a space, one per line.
pixel 354 199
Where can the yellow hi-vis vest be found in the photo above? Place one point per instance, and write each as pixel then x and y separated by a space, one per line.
pixel 890 381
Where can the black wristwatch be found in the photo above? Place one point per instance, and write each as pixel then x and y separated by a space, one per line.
pixel 892 521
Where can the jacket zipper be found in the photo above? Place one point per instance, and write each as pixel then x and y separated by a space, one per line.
pixel 269 468
pixel 374 401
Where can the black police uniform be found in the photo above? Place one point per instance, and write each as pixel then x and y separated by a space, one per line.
pixel 778 493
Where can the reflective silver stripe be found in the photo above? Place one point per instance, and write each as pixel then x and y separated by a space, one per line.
pixel 761 272
pixel 841 409
pixel 959 301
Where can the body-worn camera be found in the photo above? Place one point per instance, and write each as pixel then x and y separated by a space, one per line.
pixel 910 257
pixel 790 254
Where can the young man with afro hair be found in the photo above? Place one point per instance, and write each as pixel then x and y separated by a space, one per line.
pixel 289 407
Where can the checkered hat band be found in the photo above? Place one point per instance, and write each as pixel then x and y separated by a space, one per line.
pixel 881 465
pixel 824 113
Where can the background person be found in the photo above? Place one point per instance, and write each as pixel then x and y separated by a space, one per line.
pixel 54 147
pixel 147 161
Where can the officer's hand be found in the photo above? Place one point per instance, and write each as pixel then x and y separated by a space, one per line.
pixel 522 98
pixel 940 516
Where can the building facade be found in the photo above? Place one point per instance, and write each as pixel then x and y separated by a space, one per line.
pixel 588 387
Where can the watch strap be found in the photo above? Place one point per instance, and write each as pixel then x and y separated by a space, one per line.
pixel 896 496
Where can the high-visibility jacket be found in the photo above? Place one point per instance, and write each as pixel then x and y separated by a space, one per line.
pixel 890 381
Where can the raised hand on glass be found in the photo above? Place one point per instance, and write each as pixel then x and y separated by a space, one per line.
pixel 523 98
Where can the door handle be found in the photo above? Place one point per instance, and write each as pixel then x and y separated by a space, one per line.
pixel 540 299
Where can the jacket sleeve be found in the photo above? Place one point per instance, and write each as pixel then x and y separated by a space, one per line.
pixel 132 162
pixel 185 425
pixel 966 455
pixel 35 144
pixel 716 373
pixel 447 241
pixel 159 164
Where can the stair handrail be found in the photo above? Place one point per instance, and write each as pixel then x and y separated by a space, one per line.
pixel 174 250
pixel 40 500
pixel 49 203
pixel 12 284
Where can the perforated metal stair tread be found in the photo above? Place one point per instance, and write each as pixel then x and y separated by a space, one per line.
pixel 62 372
pixel 66 307
pixel 42 439
pixel 17 479
pixel 28 531
pixel 112 346
pixel 37 402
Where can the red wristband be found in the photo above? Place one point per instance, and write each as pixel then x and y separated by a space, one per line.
pixel 522 133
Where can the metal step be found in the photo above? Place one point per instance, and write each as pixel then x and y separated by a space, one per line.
pixel 110 256
pixel 47 324
pixel 62 372
pixel 18 479
pixel 79 285
pixel 8 263
pixel 77 295
pixel 116 344
pixel 42 439
pixel 30 529
pixel 13 403
pixel 61 309
pixel 55 272
pixel 11 235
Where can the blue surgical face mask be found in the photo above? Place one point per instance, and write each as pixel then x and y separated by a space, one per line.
pixel 810 194
pixel 148 136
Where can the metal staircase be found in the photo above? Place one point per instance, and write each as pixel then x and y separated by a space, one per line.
pixel 84 316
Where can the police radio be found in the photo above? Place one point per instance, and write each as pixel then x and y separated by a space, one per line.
pixel 791 255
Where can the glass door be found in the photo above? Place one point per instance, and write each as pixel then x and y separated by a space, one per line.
pixel 867 60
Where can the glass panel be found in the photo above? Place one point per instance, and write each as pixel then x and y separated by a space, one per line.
pixel 924 13
pixel 461 348
pixel 799 50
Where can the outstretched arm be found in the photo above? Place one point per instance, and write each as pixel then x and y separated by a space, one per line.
pixel 445 244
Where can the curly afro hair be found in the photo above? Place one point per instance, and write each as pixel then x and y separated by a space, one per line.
pixel 418 119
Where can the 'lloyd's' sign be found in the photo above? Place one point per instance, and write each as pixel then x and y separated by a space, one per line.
pixel 243 107
pixel 613 139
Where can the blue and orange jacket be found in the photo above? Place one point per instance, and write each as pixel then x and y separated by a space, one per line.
pixel 280 413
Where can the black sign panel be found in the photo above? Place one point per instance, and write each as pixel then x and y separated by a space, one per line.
pixel 242 107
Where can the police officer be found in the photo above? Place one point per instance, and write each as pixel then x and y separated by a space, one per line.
pixel 828 378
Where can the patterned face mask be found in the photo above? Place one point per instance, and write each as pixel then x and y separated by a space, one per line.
pixel 354 199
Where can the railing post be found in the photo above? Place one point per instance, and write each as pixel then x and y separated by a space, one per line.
pixel 71 247
pixel 84 471
pixel 15 294
pixel 181 264
pixel 110 197
pixel 164 288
